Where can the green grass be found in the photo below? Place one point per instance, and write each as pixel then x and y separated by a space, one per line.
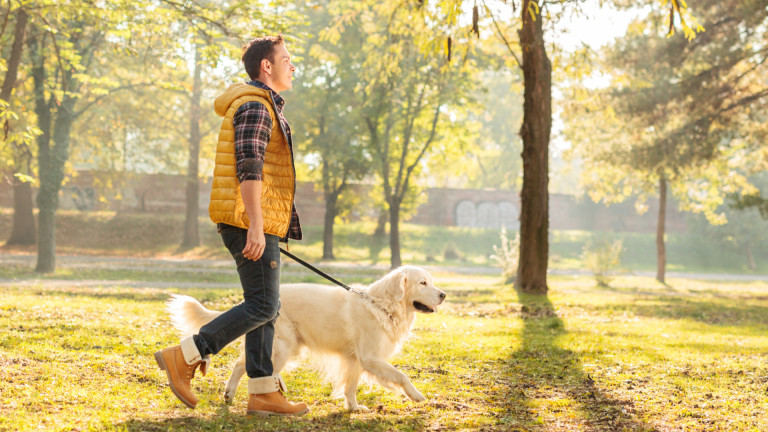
pixel 637 356
pixel 152 235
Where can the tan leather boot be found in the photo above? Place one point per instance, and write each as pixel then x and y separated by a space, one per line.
pixel 267 397
pixel 180 362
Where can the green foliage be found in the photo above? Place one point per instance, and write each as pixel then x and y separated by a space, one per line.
pixel 602 257
pixel 507 255
pixel 674 109
pixel 492 160
pixel 744 233
pixel 325 109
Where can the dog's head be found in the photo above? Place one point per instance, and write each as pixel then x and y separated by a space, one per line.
pixel 412 285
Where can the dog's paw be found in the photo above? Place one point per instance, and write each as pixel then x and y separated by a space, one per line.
pixel 416 396
pixel 229 396
pixel 360 408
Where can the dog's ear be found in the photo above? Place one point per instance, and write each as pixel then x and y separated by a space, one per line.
pixel 391 286
pixel 397 286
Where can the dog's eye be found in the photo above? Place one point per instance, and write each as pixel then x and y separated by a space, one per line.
pixel 423 283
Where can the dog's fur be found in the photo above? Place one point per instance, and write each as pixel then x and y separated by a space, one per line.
pixel 351 334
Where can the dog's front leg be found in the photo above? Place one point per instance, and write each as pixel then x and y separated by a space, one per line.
pixel 237 372
pixel 392 378
pixel 351 379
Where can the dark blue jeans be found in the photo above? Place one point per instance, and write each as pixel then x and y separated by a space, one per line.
pixel 255 316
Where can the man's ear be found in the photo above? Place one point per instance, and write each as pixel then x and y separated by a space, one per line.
pixel 266 66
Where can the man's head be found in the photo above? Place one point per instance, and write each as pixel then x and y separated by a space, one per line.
pixel 266 59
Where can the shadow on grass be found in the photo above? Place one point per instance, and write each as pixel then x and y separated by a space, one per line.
pixel 719 312
pixel 548 387
pixel 225 419
pixel 704 307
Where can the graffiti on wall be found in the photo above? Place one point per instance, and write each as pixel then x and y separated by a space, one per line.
pixel 83 197
pixel 487 214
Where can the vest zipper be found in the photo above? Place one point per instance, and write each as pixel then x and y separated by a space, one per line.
pixel 293 164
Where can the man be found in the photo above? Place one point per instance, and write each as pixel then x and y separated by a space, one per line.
pixel 252 204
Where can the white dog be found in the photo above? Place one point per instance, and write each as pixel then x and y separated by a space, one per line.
pixel 352 333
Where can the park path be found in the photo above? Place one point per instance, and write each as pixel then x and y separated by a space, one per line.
pixel 224 266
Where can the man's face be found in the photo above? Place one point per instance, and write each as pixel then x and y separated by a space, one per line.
pixel 282 69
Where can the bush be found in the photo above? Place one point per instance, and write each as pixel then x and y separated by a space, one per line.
pixel 603 258
pixel 507 256
pixel 451 252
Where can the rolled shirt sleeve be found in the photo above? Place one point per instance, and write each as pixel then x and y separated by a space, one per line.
pixel 253 129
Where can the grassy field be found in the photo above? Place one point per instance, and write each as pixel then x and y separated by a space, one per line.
pixel 149 235
pixel 637 356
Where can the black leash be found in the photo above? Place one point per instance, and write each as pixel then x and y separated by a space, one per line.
pixel 316 270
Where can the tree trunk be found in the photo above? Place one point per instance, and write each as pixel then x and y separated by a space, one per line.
pixel 535 132
pixel 750 257
pixel 45 238
pixel 394 233
pixel 661 251
pixel 378 239
pixel 330 215
pixel 191 231
pixel 381 225
pixel 23 231
pixel 15 58
pixel 51 163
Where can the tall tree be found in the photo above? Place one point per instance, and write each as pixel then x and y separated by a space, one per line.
pixel 326 111
pixel 23 230
pixel 66 54
pixel 535 132
pixel 672 115
pixel 411 95
pixel 408 89
pixel 537 124
pixel 75 59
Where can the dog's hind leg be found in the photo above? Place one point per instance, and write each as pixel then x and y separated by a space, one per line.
pixel 282 351
pixel 350 380
pixel 391 378
pixel 237 372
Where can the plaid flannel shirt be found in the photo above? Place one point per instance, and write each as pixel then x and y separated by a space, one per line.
pixel 253 130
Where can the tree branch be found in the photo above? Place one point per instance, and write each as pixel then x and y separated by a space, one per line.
pixel 5 19
pixel 422 152
pixel 501 35
pixel 110 93
pixel 189 11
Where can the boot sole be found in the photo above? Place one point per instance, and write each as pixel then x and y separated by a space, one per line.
pixel 270 413
pixel 161 364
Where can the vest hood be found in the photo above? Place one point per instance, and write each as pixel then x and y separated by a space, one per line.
pixel 235 91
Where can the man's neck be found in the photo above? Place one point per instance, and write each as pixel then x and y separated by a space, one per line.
pixel 267 82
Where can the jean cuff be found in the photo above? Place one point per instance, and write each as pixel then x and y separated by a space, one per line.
pixel 267 384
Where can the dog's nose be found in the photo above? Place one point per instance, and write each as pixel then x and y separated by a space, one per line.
pixel 442 296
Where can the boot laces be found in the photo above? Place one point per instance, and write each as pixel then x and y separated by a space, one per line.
pixel 191 372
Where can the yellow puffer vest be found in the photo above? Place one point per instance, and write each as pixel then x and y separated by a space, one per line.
pixel 278 176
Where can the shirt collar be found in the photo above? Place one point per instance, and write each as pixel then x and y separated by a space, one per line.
pixel 278 99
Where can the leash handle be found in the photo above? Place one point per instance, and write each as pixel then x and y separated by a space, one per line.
pixel 314 269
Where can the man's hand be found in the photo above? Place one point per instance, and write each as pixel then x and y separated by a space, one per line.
pixel 255 243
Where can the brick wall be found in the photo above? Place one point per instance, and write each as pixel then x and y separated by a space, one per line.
pixel 443 206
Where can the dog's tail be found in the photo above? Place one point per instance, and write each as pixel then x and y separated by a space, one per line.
pixel 187 314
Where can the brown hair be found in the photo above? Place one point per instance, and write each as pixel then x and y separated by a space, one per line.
pixel 257 50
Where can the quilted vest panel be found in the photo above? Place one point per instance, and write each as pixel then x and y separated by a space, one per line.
pixel 278 176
